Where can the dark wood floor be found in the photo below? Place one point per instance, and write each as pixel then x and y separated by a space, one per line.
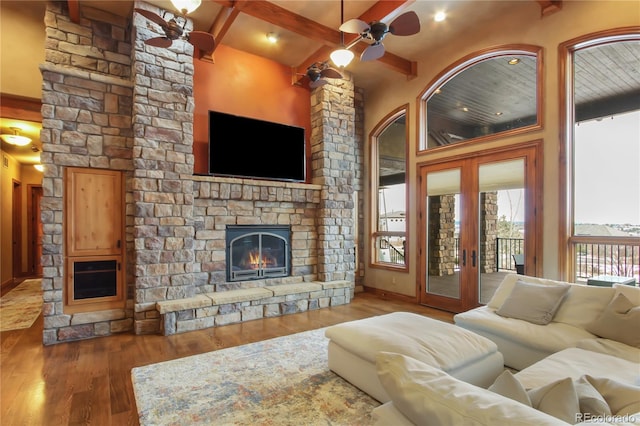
pixel 89 382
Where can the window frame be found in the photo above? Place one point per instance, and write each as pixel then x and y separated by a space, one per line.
pixel 374 185
pixel 465 63
pixel 567 240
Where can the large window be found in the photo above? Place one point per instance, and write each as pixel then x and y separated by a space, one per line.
pixel 602 146
pixel 484 95
pixel 389 186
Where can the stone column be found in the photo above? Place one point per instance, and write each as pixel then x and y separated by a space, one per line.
pixel 162 182
pixel 86 122
pixel 441 235
pixel 488 231
pixel 333 160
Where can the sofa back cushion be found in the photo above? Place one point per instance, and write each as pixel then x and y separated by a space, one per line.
pixel 583 304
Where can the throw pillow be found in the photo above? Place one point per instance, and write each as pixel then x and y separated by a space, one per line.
pixel 622 398
pixel 619 321
pixel 429 396
pixel 507 385
pixel 590 399
pixel 558 399
pixel 534 303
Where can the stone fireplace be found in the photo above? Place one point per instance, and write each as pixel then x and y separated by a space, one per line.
pixel 123 107
pixel 255 252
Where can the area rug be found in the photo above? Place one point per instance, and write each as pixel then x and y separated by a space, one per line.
pixel 21 306
pixel 281 381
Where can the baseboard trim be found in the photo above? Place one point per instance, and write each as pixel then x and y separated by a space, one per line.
pixel 386 294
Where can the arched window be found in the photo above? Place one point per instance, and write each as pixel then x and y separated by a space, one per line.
pixel 600 150
pixel 389 188
pixel 483 95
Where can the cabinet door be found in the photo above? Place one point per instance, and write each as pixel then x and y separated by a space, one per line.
pixel 94 212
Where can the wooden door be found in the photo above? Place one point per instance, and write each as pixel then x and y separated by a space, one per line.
pixel 35 230
pixel 94 212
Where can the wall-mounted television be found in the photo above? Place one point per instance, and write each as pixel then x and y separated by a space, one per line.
pixel 250 148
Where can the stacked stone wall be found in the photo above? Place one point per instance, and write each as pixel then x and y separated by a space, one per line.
pixel 86 122
pixel 333 159
pixel 222 201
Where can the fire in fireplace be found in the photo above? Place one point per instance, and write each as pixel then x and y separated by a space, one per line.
pixel 257 252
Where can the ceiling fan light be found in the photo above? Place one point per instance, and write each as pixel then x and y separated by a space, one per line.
pixel 186 6
pixel 341 57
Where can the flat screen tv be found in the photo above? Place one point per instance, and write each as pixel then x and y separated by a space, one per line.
pixel 250 148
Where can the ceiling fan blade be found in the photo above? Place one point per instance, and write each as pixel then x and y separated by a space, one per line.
pixel 405 25
pixel 373 52
pixel 354 26
pixel 202 40
pixel 152 17
pixel 317 83
pixel 158 42
pixel 330 73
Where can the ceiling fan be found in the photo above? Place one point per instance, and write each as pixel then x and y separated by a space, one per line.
pixel 404 25
pixel 173 31
pixel 319 72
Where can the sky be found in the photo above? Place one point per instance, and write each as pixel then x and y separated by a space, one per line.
pixel 607 183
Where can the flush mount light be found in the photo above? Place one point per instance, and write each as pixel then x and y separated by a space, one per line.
pixel 15 138
pixel 514 61
pixel 186 6
pixel 439 16
pixel 272 37
pixel 39 167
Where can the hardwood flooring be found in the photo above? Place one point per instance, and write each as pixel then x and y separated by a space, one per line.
pixel 89 382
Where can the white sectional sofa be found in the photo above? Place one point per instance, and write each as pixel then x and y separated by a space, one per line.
pixel 523 343
pixel 577 349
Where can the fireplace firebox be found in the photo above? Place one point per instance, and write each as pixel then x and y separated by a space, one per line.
pixel 258 251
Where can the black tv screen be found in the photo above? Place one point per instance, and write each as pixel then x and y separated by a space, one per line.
pixel 250 148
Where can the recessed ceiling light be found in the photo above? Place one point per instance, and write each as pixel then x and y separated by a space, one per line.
pixel 514 61
pixel 438 91
pixel 39 167
pixel 272 37
pixel 465 109
pixel 498 113
pixel 439 16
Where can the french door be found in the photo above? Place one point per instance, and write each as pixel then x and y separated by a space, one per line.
pixel 479 222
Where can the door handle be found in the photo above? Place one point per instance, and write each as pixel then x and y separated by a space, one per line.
pixel 473 258
pixel 464 258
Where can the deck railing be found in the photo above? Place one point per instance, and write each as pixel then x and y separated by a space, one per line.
pixel 505 249
pixel 621 260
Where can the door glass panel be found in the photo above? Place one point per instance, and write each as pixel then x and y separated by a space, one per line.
pixel 443 229
pixel 501 223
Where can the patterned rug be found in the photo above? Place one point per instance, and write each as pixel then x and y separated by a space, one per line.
pixel 21 306
pixel 281 381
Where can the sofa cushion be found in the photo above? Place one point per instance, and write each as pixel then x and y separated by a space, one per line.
pixel 611 347
pixel 619 321
pixel 533 303
pixel 509 281
pixel 506 384
pixel 574 363
pixel 558 399
pixel 551 338
pixel 427 395
pixel 623 399
pixel 562 399
pixel 632 293
pixel 582 304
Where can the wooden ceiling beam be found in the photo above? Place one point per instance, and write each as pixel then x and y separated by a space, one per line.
pixel 281 17
pixel 74 10
pixel 548 7
pixel 221 25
